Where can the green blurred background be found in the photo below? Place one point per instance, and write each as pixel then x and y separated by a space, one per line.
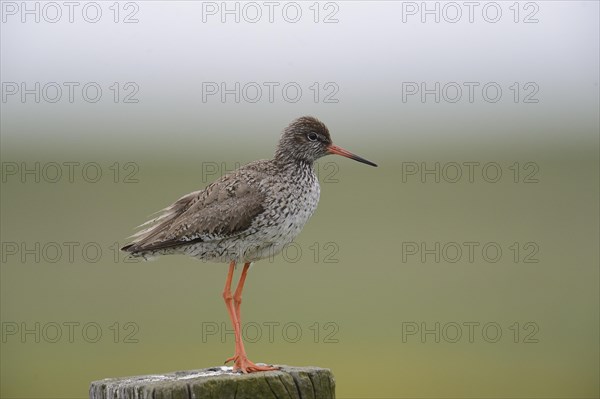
pixel 348 285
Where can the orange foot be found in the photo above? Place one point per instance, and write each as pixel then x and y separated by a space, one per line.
pixel 241 363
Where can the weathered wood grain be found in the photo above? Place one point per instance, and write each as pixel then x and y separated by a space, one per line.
pixel 220 382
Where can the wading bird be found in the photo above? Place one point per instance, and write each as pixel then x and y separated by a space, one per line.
pixel 246 215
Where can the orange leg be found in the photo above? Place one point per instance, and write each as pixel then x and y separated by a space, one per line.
pixel 233 303
pixel 230 308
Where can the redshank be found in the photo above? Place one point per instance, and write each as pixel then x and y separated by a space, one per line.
pixel 249 214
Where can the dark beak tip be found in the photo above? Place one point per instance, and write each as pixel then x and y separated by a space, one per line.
pixel 365 161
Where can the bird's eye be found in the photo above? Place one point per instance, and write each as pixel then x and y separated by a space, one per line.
pixel 312 136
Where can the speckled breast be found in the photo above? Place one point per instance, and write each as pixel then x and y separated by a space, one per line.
pixel 288 209
pixel 290 201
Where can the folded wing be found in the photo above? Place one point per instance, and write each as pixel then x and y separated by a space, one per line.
pixel 222 210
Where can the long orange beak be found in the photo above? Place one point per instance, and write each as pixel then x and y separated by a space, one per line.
pixel 334 149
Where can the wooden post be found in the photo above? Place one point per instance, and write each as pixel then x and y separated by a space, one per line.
pixel 220 382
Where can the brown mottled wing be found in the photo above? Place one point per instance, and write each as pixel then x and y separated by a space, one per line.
pixel 224 209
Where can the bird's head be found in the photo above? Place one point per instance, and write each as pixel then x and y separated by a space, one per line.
pixel 307 139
